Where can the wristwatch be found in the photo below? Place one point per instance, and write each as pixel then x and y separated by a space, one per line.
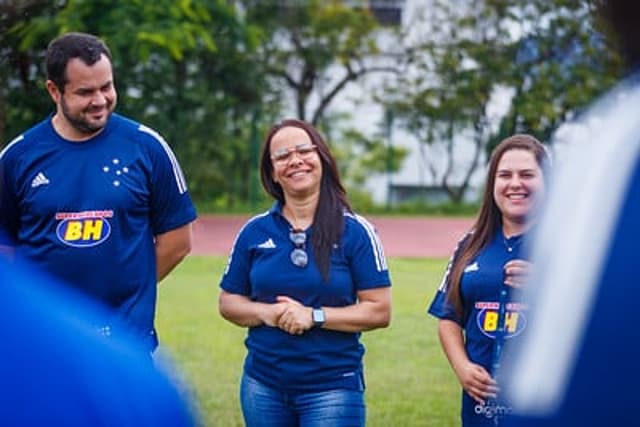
pixel 318 317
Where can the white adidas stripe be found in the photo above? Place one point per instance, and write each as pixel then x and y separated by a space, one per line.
pixel 10 144
pixel 376 245
pixel 177 171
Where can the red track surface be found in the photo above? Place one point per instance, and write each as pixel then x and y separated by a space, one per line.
pixel 401 237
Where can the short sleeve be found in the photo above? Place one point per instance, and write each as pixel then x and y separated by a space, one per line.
pixel 235 278
pixel 365 253
pixel 171 205
pixel 440 306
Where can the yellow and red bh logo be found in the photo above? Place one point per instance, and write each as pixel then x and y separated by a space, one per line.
pixel 83 229
pixel 514 319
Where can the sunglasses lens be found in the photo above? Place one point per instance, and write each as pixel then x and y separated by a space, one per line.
pixel 298 238
pixel 299 257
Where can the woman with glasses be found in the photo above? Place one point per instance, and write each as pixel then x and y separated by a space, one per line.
pixel 306 278
pixel 477 302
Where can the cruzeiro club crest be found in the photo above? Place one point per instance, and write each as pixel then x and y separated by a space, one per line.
pixel 83 229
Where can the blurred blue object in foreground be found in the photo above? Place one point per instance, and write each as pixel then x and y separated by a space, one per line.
pixel 578 365
pixel 57 369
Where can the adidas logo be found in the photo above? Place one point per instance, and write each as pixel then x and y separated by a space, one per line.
pixel 39 180
pixel 472 267
pixel 268 244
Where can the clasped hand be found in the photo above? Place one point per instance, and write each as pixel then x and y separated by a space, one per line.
pixel 291 316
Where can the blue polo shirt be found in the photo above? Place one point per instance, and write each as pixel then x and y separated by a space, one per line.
pixel 88 212
pixel 481 284
pixel 260 268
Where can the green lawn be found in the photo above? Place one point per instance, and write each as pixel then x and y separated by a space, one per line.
pixel 409 382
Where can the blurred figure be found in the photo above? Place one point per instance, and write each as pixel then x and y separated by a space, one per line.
pixel 478 300
pixel 94 198
pixel 57 369
pixel 306 277
pixel 578 365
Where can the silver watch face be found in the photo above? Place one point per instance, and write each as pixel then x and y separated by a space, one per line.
pixel 318 316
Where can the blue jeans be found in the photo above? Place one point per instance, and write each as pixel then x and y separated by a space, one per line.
pixel 264 406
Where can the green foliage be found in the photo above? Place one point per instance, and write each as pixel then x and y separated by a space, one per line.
pixel 546 54
pixel 211 76
pixel 409 382
pixel 359 156
pixel 303 43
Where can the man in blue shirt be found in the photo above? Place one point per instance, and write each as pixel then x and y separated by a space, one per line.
pixel 578 365
pixel 92 197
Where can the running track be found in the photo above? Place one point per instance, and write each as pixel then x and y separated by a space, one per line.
pixel 401 237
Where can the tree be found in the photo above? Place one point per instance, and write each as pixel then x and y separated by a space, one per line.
pixel 542 57
pixel 21 52
pixel 316 48
pixel 560 66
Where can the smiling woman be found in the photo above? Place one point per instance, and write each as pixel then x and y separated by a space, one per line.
pixel 297 169
pixel 478 300
pixel 306 277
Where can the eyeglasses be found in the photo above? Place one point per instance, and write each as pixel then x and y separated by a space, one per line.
pixel 298 255
pixel 283 155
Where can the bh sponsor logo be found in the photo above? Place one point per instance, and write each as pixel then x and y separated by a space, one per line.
pixel 83 229
pixel 488 315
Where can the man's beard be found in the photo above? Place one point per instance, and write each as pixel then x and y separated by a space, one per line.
pixel 81 125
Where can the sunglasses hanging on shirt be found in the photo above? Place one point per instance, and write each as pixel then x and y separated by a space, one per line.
pixel 298 255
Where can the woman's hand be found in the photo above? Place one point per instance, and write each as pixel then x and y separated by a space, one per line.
pixel 272 313
pixel 240 310
pixel 516 272
pixel 296 318
pixel 477 382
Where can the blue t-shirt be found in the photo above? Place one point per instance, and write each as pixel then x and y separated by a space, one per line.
pixel 87 212
pixel 578 364
pixel 481 284
pixel 260 268
pixel 57 370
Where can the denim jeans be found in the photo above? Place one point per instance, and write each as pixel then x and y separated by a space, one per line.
pixel 264 406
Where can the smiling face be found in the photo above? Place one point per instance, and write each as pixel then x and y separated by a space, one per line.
pixel 88 99
pixel 300 173
pixel 519 187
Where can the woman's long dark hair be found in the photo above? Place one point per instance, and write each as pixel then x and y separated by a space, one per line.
pixel 328 220
pixel 489 219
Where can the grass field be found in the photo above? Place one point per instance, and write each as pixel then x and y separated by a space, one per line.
pixel 409 382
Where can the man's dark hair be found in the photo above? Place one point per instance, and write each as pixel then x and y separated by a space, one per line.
pixel 84 46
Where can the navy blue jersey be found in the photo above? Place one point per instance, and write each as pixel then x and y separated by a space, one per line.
pixel 57 370
pixel 260 268
pixel 578 365
pixel 88 212
pixel 481 284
